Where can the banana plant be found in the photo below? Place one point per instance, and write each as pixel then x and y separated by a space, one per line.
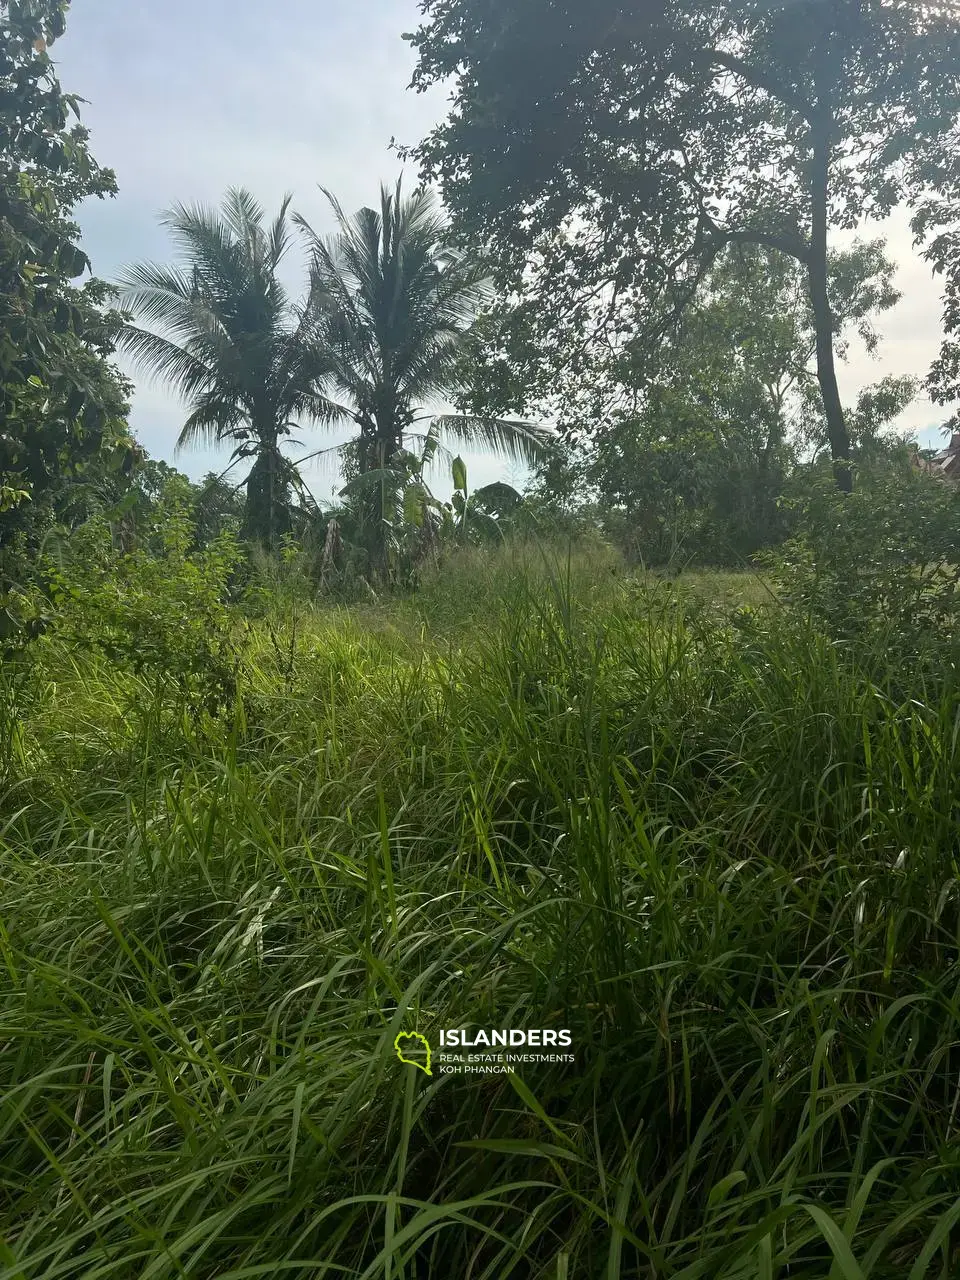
pixel 482 510
pixel 397 516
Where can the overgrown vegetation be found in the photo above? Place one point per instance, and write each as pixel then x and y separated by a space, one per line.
pixel 715 844
pixel 280 783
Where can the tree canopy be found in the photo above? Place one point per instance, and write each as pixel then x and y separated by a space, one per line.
pixel 62 405
pixel 696 464
pixel 230 341
pixel 398 301
pixel 608 153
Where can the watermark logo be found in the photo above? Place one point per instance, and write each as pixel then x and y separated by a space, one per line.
pixel 414 1049
pixel 495 1051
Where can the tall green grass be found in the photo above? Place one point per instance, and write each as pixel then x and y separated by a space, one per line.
pixel 721 850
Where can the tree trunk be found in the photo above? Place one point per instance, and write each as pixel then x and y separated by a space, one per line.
pixel 386 444
pixel 822 315
pixel 267 515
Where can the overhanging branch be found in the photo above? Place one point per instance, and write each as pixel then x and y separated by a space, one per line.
pixel 793 246
pixel 761 80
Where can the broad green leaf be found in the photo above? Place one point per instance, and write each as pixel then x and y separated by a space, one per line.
pixel 413 505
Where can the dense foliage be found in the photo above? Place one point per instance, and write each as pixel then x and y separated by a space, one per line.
pixel 279 784
pixel 701 466
pixel 62 405
pixel 608 154
pixel 719 848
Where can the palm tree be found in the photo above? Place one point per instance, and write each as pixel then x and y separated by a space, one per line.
pixel 230 341
pixel 399 302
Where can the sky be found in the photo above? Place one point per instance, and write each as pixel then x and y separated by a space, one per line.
pixel 186 98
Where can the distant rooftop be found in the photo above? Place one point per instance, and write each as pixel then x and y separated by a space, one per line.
pixel 945 463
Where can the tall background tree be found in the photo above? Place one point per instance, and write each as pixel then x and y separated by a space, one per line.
pixel 223 332
pixel 936 224
pixel 398 302
pixel 694 466
pixel 610 152
pixel 62 404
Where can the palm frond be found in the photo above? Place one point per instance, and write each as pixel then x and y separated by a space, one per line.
pixel 522 442
pixel 280 233
pixel 333 454
pixel 159 357
pixel 213 420
pixel 242 212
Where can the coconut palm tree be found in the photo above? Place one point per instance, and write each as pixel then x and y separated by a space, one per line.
pixel 399 302
pixel 223 332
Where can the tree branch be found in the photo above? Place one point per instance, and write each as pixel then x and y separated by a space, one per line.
pixel 761 80
pixel 635 31
pixel 784 242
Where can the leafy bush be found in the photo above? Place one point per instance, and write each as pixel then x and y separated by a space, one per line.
pixel 881 562
pixel 159 609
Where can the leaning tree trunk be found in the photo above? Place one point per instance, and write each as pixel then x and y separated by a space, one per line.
pixel 822 314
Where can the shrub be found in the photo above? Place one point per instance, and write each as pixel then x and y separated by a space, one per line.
pixel 882 562
pixel 159 609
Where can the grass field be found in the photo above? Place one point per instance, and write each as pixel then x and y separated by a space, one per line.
pixel 719 849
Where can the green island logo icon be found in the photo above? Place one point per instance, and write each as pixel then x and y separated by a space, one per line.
pixel 409 1043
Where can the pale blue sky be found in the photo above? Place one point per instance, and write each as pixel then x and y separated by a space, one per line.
pixel 189 97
